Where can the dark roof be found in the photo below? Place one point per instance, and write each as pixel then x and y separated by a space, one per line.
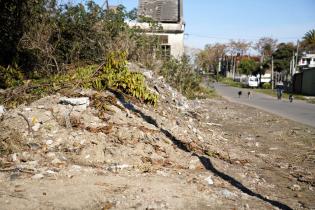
pixel 161 10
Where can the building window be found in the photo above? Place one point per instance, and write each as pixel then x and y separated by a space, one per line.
pixel 166 52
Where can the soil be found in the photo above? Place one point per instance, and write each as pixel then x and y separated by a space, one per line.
pixel 183 154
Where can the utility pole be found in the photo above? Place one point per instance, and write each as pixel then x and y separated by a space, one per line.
pixel 272 74
pixel 219 68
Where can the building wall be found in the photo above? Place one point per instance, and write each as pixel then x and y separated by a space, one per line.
pixel 174 32
pixel 297 82
pixel 169 15
pixel 176 41
pixel 177 44
pixel 308 82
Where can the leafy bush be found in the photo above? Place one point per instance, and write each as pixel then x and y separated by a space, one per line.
pixel 266 85
pixel 10 77
pixel 113 74
pixel 180 75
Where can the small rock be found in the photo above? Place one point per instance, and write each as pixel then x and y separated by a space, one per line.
pixel 38 176
pixel 56 161
pixel 40 107
pixel 209 180
pixel 193 163
pixel 49 142
pixel 33 146
pixel 14 157
pixel 25 156
pixel 27 109
pixel 148 74
pixel 50 172
pixel 295 187
pixel 36 127
pixel 2 110
pixel 74 101
pixel 194 130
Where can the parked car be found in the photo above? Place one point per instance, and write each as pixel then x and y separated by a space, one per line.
pixel 252 81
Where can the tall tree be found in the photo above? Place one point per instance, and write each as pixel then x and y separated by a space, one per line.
pixel 239 47
pixel 247 66
pixel 16 18
pixel 282 57
pixel 308 42
pixel 266 46
pixel 209 58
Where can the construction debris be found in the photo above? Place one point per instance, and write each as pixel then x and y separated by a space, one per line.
pixel 117 153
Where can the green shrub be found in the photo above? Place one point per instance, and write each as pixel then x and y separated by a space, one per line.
pixel 180 75
pixel 116 75
pixel 10 77
pixel 112 74
pixel 266 86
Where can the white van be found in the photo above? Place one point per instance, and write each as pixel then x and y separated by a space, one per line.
pixel 253 81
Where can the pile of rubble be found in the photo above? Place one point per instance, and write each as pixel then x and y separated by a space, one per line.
pixel 91 150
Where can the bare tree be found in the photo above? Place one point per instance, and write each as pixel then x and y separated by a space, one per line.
pixel 266 46
pixel 239 47
pixel 209 58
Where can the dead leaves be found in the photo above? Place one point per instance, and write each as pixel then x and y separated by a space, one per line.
pixel 102 129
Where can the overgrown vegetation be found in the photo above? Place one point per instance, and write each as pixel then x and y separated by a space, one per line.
pixel 48 47
pixel 181 75
pixel 112 74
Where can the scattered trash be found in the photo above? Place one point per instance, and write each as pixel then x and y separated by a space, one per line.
pixel 36 127
pixel 295 187
pixel 75 101
pixel 209 180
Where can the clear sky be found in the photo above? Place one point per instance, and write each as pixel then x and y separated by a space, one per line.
pixel 210 21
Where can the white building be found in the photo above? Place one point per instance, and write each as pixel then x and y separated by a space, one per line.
pixel 169 15
pixel 307 61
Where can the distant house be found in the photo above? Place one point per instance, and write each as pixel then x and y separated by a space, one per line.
pixel 307 61
pixel 304 81
pixel 169 15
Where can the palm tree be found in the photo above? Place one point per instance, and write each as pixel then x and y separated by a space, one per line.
pixel 309 37
pixel 308 43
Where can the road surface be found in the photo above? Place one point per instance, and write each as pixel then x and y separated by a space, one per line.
pixel 299 111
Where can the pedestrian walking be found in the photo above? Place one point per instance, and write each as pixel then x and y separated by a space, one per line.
pixel 248 95
pixel 279 90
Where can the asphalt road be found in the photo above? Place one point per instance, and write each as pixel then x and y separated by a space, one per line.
pixel 298 111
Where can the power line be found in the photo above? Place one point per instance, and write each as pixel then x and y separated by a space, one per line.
pixel 249 38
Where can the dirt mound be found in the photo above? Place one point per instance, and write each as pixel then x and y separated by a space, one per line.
pixel 89 150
